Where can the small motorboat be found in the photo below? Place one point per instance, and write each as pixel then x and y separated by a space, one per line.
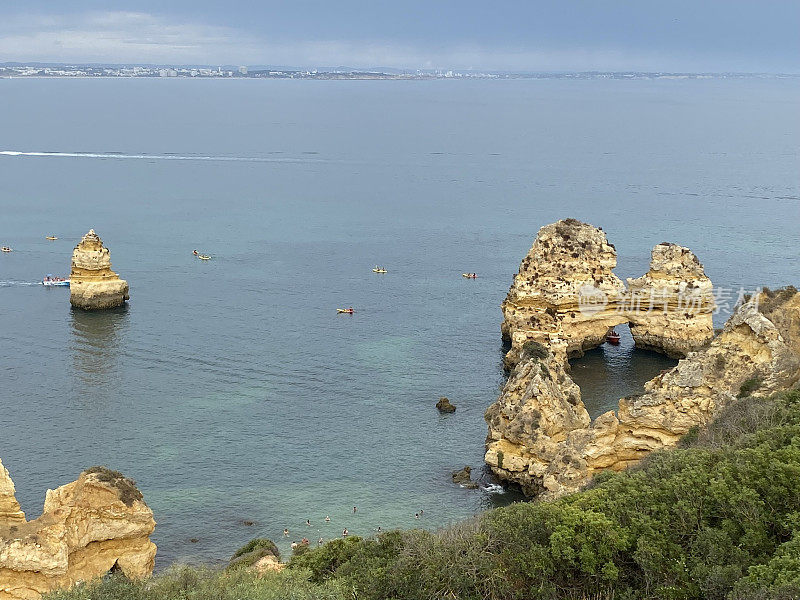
pixel 613 338
pixel 6 249
pixel 470 275
pixel 51 281
pixel 345 311
pixel 203 257
pixel 379 270
pixel 50 237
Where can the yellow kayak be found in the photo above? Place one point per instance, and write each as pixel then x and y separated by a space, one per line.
pixel 204 257
pixel 50 237
pixel 379 271
pixel 6 249
pixel 348 311
pixel 470 275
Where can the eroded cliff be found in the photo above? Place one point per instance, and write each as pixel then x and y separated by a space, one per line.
pixel 88 527
pixel 540 435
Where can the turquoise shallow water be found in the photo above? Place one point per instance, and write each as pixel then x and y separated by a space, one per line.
pixel 231 390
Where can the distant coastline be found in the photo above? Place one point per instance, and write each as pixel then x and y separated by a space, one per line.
pixel 52 70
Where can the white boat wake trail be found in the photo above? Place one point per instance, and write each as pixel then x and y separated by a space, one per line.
pixel 200 157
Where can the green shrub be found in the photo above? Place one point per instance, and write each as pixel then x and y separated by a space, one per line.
pixel 749 386
pixel 253 551
pixel 533 349
pixel 197 583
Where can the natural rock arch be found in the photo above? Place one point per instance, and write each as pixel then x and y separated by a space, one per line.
pixel 564 300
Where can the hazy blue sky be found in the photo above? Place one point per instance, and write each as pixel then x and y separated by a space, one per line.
pixel 682 35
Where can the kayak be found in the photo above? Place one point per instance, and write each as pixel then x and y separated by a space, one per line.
pixel 6 249
pixel 203 257
pixel 50 237
pixel 379 270
pixel 348 311
pixel 469 275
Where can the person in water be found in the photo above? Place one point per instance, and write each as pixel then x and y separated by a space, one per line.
pixel 344 532
pixel 285 533
pixel 328 519
pixel 308 522
pixel 194 252
pixel 354 508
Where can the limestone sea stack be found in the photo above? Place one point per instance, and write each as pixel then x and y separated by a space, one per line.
pixel 93 285
pixel 565 289
pixel 564 300
pixel 540 435
pixel 88 527
pixel 670 307
pixel 10 513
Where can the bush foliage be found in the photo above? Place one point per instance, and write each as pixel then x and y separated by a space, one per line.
pixel 718 518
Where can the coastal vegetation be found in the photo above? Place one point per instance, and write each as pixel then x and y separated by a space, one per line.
pixel 717 518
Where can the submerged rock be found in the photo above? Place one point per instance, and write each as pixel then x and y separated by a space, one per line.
pixel 92 283
pixel 444 406
pixel 89 527
pixel 463 478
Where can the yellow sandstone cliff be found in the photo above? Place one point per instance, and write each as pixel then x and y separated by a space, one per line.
pixel 540 435
pixel 88 527
pixel 93 285
pixel 565 289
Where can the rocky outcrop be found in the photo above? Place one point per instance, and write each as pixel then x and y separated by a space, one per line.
pixel 463 477
pixel 10 513
pixel 669 309
pixel 564 300
pixel 540 439
pixel 565 289
pixel 93 285
pixel 445 406
pixel 88 527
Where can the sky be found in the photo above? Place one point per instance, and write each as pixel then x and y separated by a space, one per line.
pixel 489 35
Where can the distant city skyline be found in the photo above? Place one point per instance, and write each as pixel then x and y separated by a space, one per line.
pixel 514 36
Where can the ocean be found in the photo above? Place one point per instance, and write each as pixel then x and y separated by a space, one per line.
pixel 231 390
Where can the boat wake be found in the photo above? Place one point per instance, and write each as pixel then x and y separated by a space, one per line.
pixel 196 157
pixel 14 283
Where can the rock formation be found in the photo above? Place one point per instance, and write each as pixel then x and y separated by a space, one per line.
pixel 542 439
pixel 565 289
pixel 10 513
pixel 445 406
pixel 88 527
pixel 93 285
pixel 669 308
pixel 463 477
pixel 540 435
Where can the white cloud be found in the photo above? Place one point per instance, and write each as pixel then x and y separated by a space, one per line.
pixel 136 37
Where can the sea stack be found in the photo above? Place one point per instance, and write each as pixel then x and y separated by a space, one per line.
pixel 93 285
pixel 563 301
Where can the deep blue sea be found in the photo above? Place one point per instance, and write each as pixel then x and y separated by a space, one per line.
pixel 230 390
